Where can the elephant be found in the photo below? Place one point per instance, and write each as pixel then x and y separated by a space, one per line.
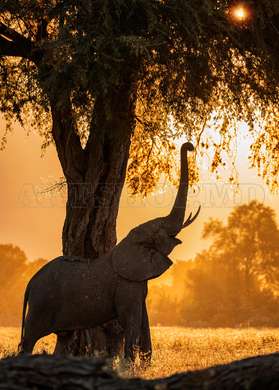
pixel 70 293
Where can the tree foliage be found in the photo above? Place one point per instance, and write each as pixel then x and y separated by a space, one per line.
pixel 184 60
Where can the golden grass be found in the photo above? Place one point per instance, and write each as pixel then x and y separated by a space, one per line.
pixel 180 349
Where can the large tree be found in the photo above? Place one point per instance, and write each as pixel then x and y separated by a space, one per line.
pixel 93 75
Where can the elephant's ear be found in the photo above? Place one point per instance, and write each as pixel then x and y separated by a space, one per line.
pixel 138 263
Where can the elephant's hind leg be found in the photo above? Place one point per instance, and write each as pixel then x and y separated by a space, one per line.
pixel 145 340
pixel 27 345
pixel 129 301
pixel 132 321
pixel 32 333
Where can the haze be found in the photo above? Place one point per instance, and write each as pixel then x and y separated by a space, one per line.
pixel 33 219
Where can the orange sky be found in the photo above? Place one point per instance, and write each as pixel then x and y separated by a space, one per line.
pixel 35 222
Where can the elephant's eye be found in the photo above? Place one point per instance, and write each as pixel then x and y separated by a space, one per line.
pixel 148 245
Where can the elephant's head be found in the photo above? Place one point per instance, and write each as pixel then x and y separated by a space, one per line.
pixel 143 254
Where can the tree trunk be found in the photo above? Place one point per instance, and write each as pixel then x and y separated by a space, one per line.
pixel 95 178
pixel 93 202
pixel 52 372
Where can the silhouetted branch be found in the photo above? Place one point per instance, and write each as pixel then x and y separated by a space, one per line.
pixel 59 185
pixel 67 141
pixel 14 44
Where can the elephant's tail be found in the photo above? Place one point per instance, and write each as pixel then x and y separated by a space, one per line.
pixel 25 301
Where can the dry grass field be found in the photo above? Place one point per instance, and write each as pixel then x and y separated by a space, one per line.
pixel 181 349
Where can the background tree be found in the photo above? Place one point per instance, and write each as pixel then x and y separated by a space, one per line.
pixel 103 72
pixel 249 243
pixel 16 270
pixel 232 283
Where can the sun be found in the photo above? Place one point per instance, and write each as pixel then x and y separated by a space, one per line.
pixel 240 13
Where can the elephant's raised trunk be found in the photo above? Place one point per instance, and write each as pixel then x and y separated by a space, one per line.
pixel 175 220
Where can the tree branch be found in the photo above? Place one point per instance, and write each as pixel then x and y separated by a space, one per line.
pixel 70 152
pixel 12 34
pixel 9 48
pixel 42 30
pixel 67 141
pixel 14 44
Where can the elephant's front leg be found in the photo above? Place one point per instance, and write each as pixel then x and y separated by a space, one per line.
pixel 129 304
pixel 132 334
pixel 145 339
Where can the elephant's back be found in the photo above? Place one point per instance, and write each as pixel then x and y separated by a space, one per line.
pixel 69 268
pixel 64 276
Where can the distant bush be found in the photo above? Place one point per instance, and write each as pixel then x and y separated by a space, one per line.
pixel 15 273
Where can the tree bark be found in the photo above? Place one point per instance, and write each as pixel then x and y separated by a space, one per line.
pixel 52 372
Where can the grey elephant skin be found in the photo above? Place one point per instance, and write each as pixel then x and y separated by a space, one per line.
pixel 70 293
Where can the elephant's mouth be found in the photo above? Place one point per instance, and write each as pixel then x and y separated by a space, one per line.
pixel 177 241
pixel 173 242
pixel 166 259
